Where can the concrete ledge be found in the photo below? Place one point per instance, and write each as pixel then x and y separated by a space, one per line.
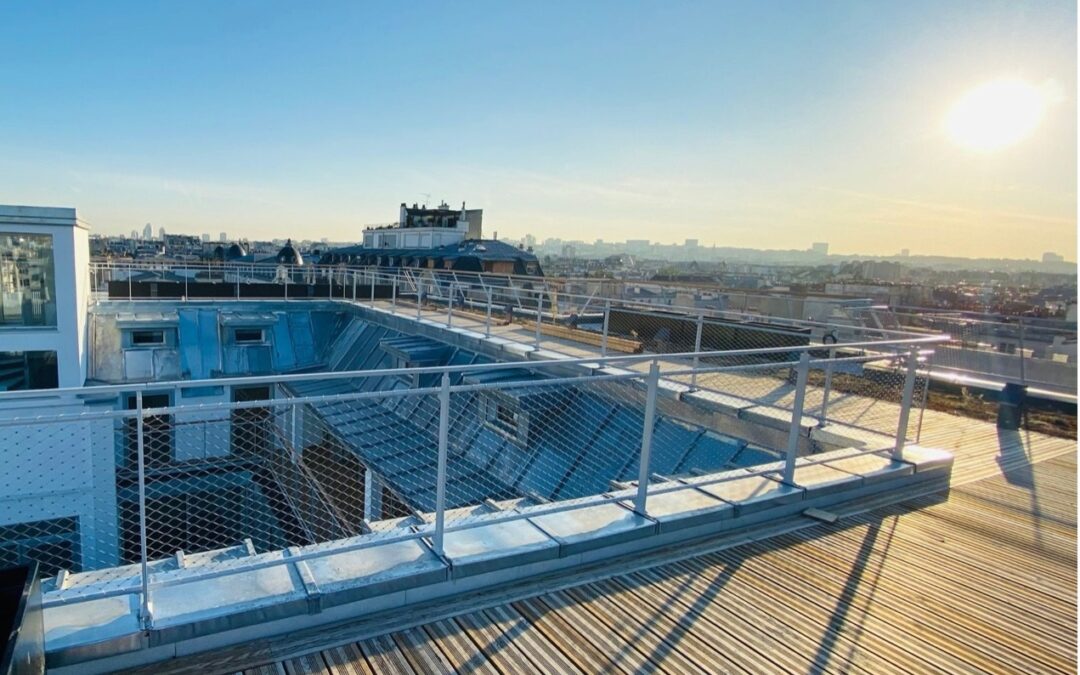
pixel 925 459
pixel 593 527
pixel 717 402
pixel 872 468
pixel 748 494
pixel 497 545
pixel 685 508
pixel 777 417
pixel 815 479
pixel 382 568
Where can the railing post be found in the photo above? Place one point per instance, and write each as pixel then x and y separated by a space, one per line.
pixel 697 349
pixel 144 608
pixel 487 316
pixel 905 403
pixel 393 294
pixel 354 276
pixel 373 288
pixel 539 316
pixel 129 284
pixel 440 484
pixel 796 418
pixel 925 396
pixel 1023 375
pixel 450 305
pixel 294 432
pixel 419 298
pixel 823 420
pixel 603 336
pixel 185 282
pixel 236 271
pixel 646 436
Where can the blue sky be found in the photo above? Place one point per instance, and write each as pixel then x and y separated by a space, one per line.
pixel 766 125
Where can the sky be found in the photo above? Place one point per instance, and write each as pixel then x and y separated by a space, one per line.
pixel 750 124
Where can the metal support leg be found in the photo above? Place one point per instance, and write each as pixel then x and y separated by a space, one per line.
pixel 539 316
pixel 603 336
pixel 646 437
pixel 697 350
pixel 144 608
pixel 487 315
pixel 393 294
pixel 828 388
pixel 440 484
pixel 796 418
pixel 905 404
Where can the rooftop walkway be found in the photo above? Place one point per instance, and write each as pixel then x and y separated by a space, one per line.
pixel 980 580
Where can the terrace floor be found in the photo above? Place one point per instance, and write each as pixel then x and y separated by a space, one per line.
pixel 982 579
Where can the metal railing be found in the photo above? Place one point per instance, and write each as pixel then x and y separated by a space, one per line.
pixel 172 482
pixel 546 306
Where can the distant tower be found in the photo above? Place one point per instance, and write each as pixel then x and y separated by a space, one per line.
pixel 134 234
pixel 206 238
pixel 161 233
pixel 223 237
pixel 148 232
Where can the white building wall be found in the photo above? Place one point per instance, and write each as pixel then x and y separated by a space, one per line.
pixel 71 264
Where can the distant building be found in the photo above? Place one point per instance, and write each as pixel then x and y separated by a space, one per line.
pixel 904 253
pixel 691 243
pixel 148 232
pixel 206 238
pixel 820 248
pixel 223 237
pixel 161 233
pixel 1051 257
pixel 470 255
pixel 419 227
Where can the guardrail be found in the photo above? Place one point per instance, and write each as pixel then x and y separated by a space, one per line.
pixel 373 457
pixel 540 303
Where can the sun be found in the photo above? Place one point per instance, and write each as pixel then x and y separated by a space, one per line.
pixel 997 114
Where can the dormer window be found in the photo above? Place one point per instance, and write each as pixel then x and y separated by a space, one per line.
pixel 147 338
pixel 249 336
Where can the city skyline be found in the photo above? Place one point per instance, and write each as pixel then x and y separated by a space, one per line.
pixel 767 127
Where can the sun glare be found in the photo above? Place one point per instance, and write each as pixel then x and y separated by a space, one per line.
pixel 998 114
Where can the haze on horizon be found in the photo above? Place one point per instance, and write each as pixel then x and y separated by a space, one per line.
pixel 948 128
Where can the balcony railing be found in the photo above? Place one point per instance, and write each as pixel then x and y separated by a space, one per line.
pixel 339 461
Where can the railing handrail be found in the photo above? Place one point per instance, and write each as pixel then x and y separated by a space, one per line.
pixel 453 276
pixel 131 388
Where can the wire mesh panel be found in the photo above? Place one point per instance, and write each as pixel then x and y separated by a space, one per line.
pixel 59 497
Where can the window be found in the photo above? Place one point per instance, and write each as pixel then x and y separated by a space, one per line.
pixel 27 283
pixel 506 418
pixel 28 370
pixel 147 338
pixel 248 336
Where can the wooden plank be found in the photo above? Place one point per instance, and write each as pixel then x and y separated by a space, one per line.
pixel 622 652
pixel 311 664
pixel 421 652
pixel 542 652
pixel 495 644
pixel 384 656
pixel 276 668
pixel 458 648
pixel 585 654
pixel 347 660
pixel 674 650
